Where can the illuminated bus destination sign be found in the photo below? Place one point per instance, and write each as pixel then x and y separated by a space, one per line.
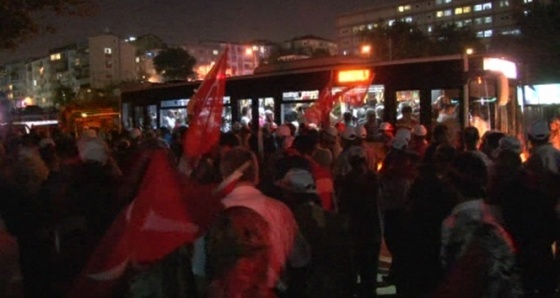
pixel 301 95
pixel 353 75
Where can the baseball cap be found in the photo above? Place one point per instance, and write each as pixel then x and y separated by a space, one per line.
pixel 419 130
pixel 539 131
pixel 403 133
pixel 508 143
pixel 385 126
pixel 399 143
pixel 297 181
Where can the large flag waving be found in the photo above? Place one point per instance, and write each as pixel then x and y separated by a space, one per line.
pixel 320 112
pixel 207 106
pixel 155 224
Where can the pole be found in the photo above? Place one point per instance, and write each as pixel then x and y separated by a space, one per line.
pixel 466 90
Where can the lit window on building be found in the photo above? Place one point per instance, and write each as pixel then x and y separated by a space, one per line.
pixel 137 59
pixel 480 34
pixel 466 9
pixel 438 2
pixel 458 10
pixel 439 14
pixel 488 33
pixel 108 51
pixel 55 57
pixel 215 52
pixel 447 1
pixel 390 22
pixel 488 20
pixel 504 3
pixel 34 82
pixel 478 7
pixel 459 24
pixel 407 19
pixel 430 28
pixel 448 13
pixel 370 26
pixel 487 6
pixel 527 1
pixel 478 21
pixel 404 8
pixel 467 22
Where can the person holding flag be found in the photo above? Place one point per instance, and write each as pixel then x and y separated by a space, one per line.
pixel 166 212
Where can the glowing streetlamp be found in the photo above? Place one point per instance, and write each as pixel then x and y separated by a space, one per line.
pixel 366 50
pixel 469 51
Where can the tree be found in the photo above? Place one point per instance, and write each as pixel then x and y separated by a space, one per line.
pixel 539 24
pixel 449 39
pixel 175 64
pixel 63 95
pixel 397 41
pixel 21 20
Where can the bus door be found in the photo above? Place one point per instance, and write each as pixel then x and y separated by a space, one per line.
pixel 294 105
pixel 491 105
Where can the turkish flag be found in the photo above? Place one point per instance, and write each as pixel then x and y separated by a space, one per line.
pixel 156 223
pixel 356 95
pixel 321 110
pixel 207 106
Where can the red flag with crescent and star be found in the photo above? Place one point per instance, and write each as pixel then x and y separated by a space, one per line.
pixel 207 107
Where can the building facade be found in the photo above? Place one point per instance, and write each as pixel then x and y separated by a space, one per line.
pixel 487 18
pixel 309 44
pixel 96 63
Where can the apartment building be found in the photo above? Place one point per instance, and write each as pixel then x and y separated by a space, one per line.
pixel 486 17
pixel 97 62
pixel 308 44
pixel 243 58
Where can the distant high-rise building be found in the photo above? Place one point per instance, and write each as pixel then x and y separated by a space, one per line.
pixel 487 18
pixel 310 44
pixel 97 62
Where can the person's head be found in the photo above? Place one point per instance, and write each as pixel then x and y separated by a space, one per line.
pixel 329 136
pixel 349 136
pixel 539 133
pixel 298 187
pixel 246 111
pixel 471 137
pixel 234 159
pixel 441 134
pixel 305 144
pixel 419 132
pixel 386 128
pixel 371 117
pixel 406 112
pixel 554 124
pixel 469 176
pixel 357 158
pixel 444 156
pixel 227 142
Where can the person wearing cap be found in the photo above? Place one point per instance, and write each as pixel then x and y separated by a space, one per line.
pixel 418 142
pixel 471 140
pixel 359 201
pixel 322 154
pixel 348 139
pixel 326 234
pixel 544 157
pixel 369 147
pixel 249 244
pixel 396 176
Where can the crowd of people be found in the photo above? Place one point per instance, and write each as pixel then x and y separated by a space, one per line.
pixel 305 215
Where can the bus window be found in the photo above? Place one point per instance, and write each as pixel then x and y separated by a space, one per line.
pixel 226 115
pixel 294 112
pixel 151 117
pixel 445 106
pixel 266 111
pixel 408 108
pixel 172 118
pixel 360 102
pixel 126 116
pixel 245 113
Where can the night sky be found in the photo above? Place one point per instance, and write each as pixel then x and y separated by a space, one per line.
pixel 177 21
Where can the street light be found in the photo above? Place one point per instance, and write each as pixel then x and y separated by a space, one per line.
pixel 366 50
